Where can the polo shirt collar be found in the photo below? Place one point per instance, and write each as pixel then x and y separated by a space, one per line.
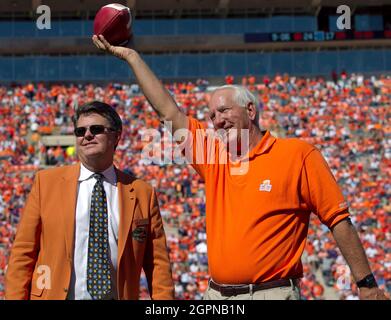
pixel 264 145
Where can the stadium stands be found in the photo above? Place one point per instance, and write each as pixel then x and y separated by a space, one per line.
pixel 346 118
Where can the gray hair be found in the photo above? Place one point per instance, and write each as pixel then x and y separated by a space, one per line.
pixel 242 96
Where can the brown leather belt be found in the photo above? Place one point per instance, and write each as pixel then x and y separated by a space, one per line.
pixel 233 290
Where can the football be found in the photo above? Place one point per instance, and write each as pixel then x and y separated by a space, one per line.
pixel 114 22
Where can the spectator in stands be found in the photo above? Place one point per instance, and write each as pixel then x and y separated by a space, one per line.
pixel 119 225
pixel 235 108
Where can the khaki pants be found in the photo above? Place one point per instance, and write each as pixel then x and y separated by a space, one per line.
pixel 280 293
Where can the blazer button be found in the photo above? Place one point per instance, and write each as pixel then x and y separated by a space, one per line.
pixel 65 290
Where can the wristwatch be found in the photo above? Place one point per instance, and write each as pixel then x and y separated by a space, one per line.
pixel 367 282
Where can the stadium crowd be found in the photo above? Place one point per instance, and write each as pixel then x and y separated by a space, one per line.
pixel 347 118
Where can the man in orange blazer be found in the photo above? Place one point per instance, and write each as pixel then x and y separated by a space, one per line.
pixel 88 229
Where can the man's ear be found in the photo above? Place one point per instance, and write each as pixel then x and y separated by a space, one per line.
pixel 251 110
pixel 118 138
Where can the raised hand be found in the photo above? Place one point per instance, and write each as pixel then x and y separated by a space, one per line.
pixel 121 52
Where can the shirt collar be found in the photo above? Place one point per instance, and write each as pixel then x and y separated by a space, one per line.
pixel 264 145
pixel 109 174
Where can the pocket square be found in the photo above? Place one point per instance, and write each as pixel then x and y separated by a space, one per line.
pixel 140 233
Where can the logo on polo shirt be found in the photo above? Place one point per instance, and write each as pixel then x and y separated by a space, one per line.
pixel 265 186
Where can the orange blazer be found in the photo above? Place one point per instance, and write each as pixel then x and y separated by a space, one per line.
pixel 45 237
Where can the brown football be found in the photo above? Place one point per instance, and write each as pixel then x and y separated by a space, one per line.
pixel 114 22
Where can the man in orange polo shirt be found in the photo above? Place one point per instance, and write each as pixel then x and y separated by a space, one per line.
pixel 260 192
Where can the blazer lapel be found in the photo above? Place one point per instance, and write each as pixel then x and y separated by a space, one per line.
pixel 127 202
pixel 68 205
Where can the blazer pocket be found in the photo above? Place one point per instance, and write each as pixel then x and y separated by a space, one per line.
pixel 36 291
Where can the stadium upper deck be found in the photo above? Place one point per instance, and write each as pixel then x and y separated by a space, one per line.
pixel 192 39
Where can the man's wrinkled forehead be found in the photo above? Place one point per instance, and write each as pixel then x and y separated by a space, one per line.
pixel 221 97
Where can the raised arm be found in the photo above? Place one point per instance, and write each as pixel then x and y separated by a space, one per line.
pixel 153 89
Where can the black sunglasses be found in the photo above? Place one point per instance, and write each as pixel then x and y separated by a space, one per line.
pixel 94 129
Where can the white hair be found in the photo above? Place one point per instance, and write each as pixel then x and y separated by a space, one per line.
pixel 243 96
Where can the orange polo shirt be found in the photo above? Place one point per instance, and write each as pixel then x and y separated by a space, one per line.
pixel 257 220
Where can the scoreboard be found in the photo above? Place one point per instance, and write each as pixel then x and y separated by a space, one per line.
pixel 316 36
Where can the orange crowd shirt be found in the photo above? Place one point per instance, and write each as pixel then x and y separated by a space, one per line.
pixel 257 220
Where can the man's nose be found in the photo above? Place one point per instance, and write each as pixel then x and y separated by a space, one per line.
pixel 88 134
pixel 219 121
